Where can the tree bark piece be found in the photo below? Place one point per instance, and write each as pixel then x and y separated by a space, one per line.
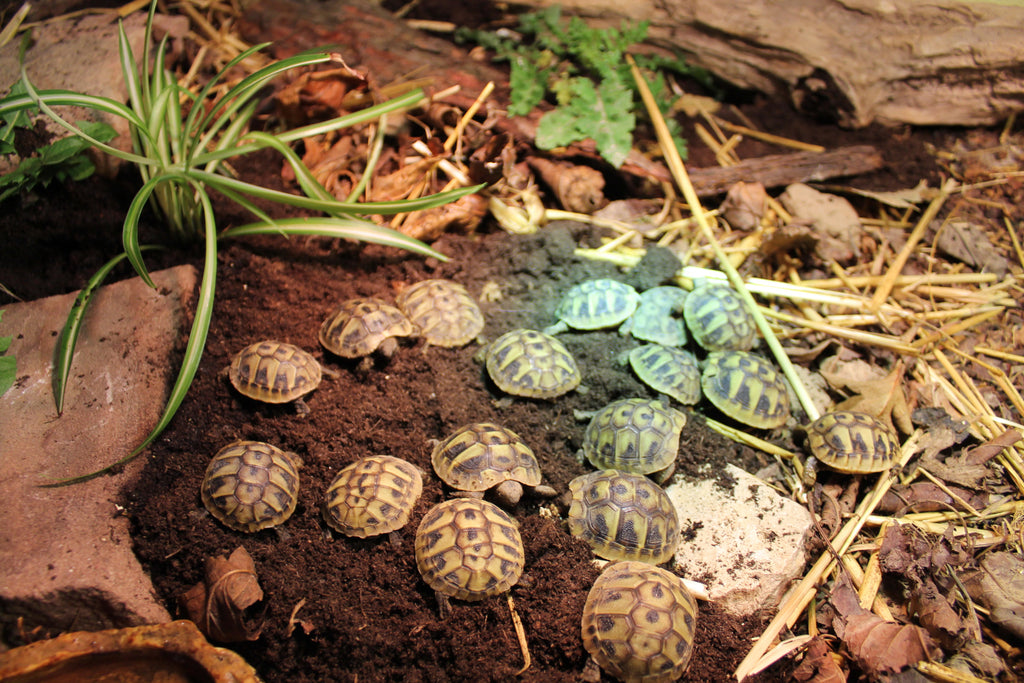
pixel 892 61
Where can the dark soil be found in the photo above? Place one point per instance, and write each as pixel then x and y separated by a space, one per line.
pixel 362 612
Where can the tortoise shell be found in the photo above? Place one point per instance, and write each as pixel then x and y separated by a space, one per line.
pixel 595 304
pixel 668 370
pixel 657 319
pixel 251 485
pixel 358 327
pixel 623 516
pixel 638 623
pixel 480 456
pixel 444 312
pixel 747 388
pixel 718 319
pixel 853 442
pixel 638 435
pixel 469 549
pixel 533 364
pixel 274 372
pixel 372 496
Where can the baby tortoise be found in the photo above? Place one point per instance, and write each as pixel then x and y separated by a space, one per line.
pixel 718 319
pixel 533 364
pixel 374 495
pixel 275 372
pixel 468 549
pixel 657 319
pixel 444 312
pixel 668 370
pixel 638 623
pixel 623 516
pixel 593 305
pixel 747 388
pixel 483 456
pixel 359 327
pixel 638 435
pixel 850 442
pixel 251 485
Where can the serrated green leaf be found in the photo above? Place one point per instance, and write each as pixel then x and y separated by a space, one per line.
pixel 557 129
pixel 528 86
pixel 612 127
pixel 8 373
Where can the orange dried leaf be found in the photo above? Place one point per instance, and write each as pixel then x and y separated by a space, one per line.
pixel 219 604
pixel 883 647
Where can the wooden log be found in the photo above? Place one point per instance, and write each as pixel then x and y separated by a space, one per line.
pixel 945 62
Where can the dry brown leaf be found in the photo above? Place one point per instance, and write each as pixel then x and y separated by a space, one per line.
pixel 461 216
pixel 883 647
pixel 993 447
pixel 935 613
pixel 925 496
pixel 819 665
pixel 218 605
pixel 999 585
pixel 397 185
pixel 915 556
pixel 745 205
pixel 968 243
pixel 875 392
pixel 578 188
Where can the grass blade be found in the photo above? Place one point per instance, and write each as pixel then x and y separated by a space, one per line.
pixel 68 339
pixel 193 350
pixel 340 228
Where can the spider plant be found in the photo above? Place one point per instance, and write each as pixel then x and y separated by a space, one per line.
pixel 180 141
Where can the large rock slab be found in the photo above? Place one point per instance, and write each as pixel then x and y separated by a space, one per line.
pixel 746 544
pixel 66 558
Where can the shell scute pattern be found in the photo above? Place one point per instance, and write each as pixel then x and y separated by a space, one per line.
pixel 251 485
pixel 372 496
pixel 482 455
pixel 718 319
pixel 853 442
pixel 656 318
pixel 594 305
pixel 668 370
pixel 358 327
pixel 444 312
pixel 533 364
pixel 638 623
pixel 469 549
pixel 274 372
pixel 636 435
pixel 747 388
pixel 623 516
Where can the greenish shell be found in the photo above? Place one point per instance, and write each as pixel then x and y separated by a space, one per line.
pixel 668 370
pixel 636 435
pixel 594 305
pixel 747 388
pixel 718 319
pixel 657 318
pixel 533 364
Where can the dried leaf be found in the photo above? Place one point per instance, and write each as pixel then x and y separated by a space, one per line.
pixel 935 613
pixel 399 184
pixel 915 556
pixel 218 605
pixel 969 243
pixel 745 205
pixel 993 447
pixel 883 647
pixel 819 665
pixel 461 216
pixel 999 585
pixel 293 620
pixel 578 188
pixel 876 393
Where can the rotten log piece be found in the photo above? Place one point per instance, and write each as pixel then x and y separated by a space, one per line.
pixel 940 62
pixel 778 170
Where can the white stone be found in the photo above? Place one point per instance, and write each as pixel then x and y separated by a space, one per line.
pixel 745 544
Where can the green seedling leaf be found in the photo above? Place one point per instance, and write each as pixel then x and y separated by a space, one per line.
pixel 8 365
pixel 63 160
pixel 528 85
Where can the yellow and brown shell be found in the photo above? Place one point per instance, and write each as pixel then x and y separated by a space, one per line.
pixel 638 623
pixel 623 516
pixel 443 311
pixel 372 496
pixel 747 388
pixel 251 485
pixel 853 442
pixel 469 549
pixel 718 319
pixel 274 372
pixel 638 435
pixel 482 455
pixel 358 327
pixel 533 364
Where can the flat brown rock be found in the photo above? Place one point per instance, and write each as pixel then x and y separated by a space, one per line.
pixel 66 559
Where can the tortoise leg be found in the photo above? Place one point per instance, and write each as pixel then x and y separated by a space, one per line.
pixel 444 605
